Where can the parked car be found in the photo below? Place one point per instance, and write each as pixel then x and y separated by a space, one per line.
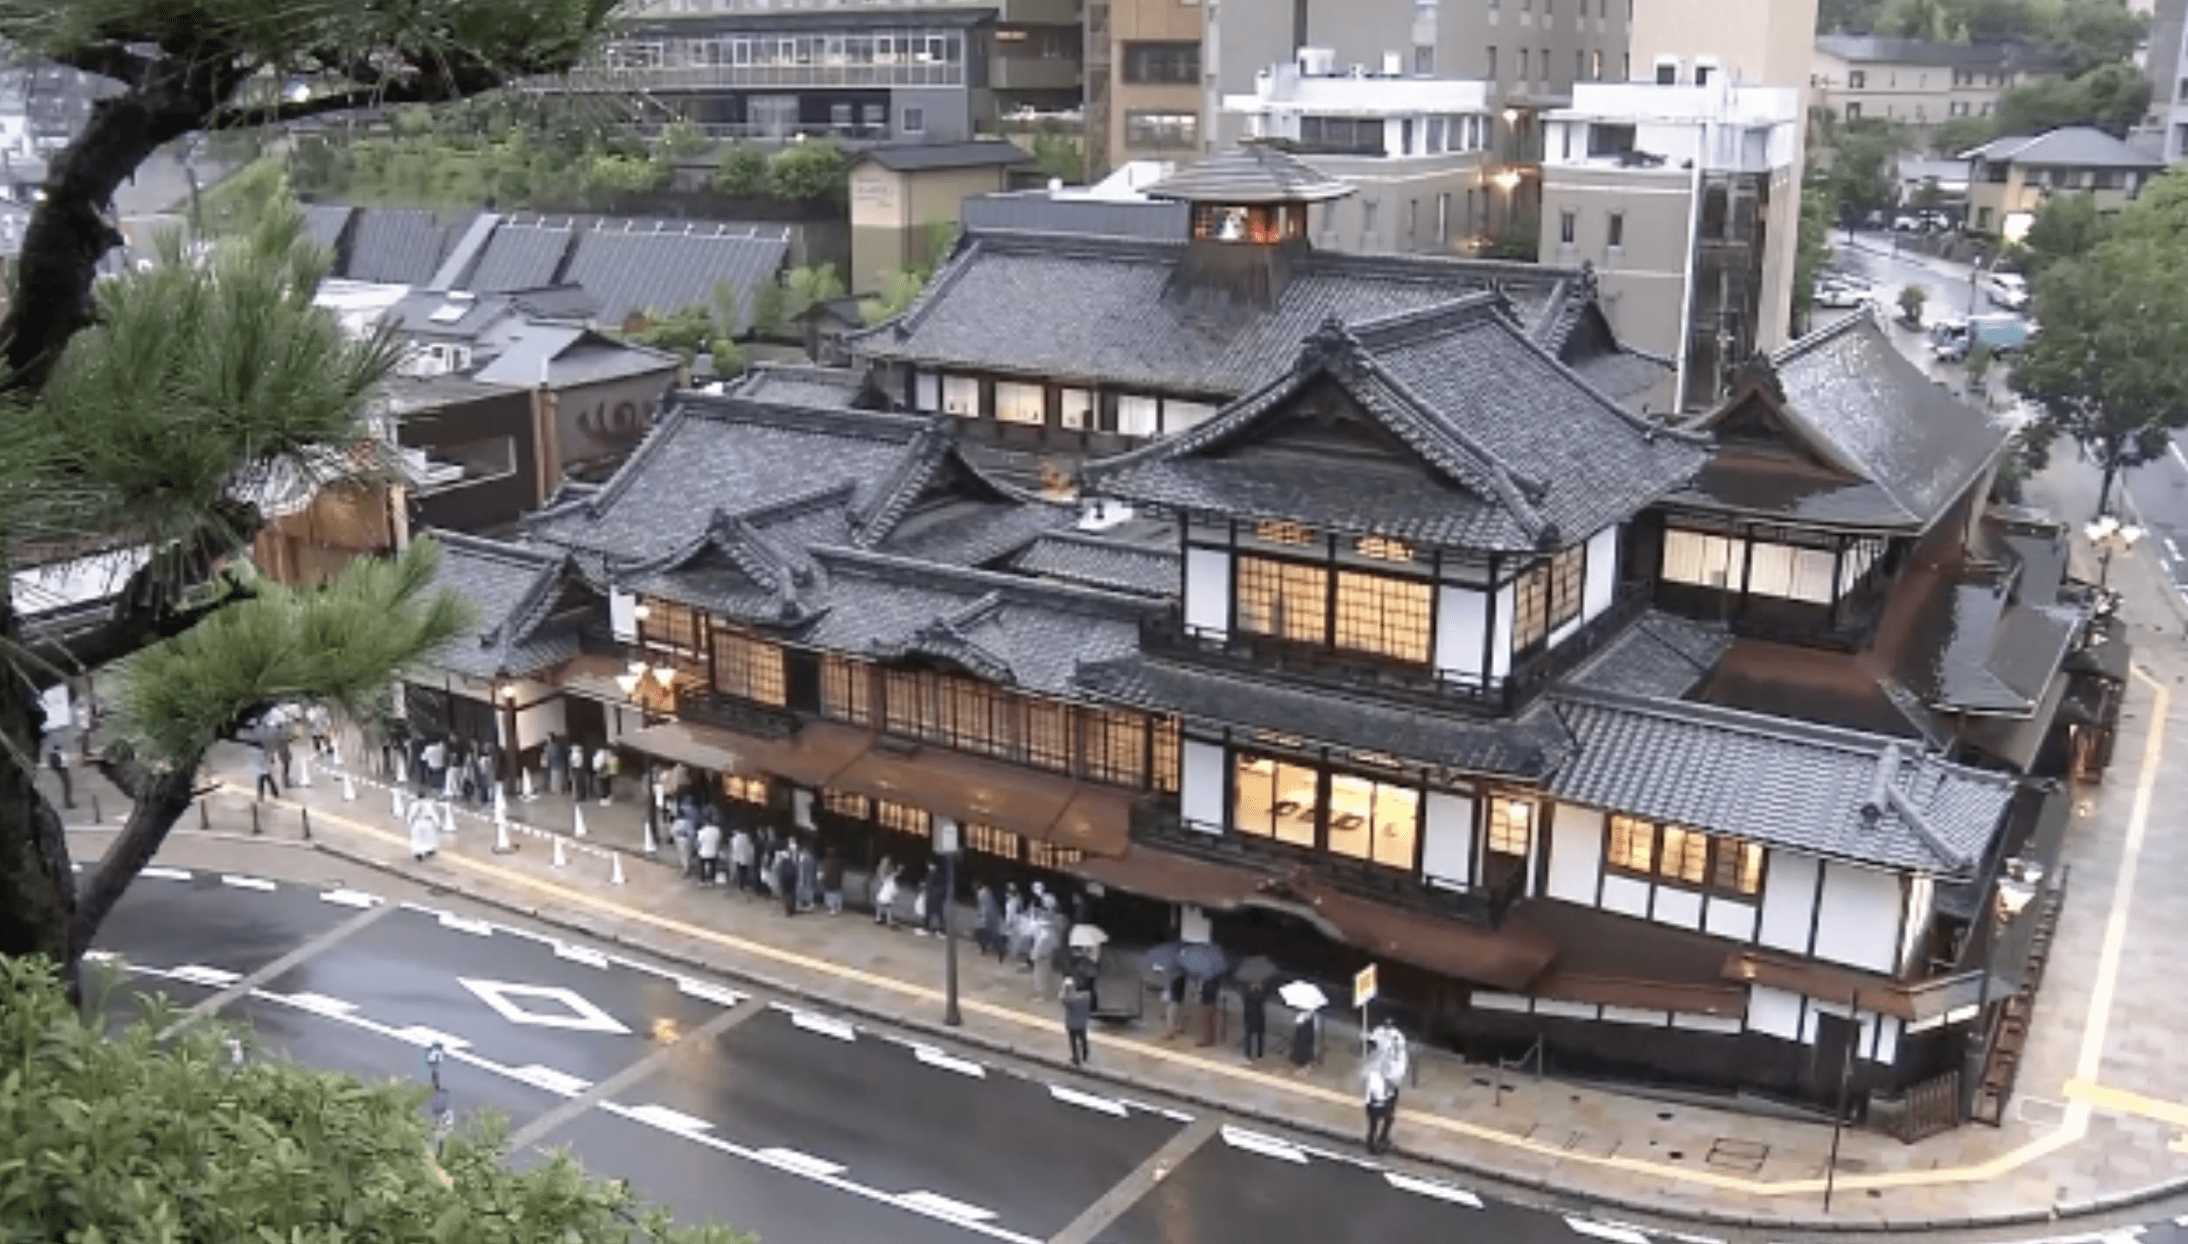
pixel 1950 340
pixel 2008 290
pixel 1840 295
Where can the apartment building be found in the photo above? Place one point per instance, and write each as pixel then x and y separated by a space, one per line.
pixel 1916 82
pixel 2009 179
pixel 2165 63
pixel 1144 92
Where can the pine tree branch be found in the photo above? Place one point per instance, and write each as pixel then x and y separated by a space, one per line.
pixel 108 60
pixel 161 798
pixel 127 630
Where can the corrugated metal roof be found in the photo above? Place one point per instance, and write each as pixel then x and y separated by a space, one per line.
pixel 325 223
pixel 521 255
pixel 633 271
pixel 466 249
pixel 914 157
pixel 396 245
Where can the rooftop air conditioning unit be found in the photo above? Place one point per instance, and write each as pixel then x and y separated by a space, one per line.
pixel 1317 62
pixel 1356 71
pixel 1393 64
pixel 1101 515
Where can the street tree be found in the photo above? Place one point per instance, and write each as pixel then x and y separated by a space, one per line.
pixel 1863 152
pixel 132 1138
pixel 145 408
pixel 2113 98
pixel 808 171
pixel 2067 227
pixel 1953 136
pixel 2104 369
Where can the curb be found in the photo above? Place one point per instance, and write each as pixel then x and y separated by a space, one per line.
pixel 1532 1183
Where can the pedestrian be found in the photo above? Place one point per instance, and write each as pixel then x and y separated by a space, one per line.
pixel 1254 1019
pixel 808 878
pixel 885 893
pixel 1211 1006
pixel 989 918
pixel 604 774
pixel 685 835
pixel 786 880
pixel 433 765
pixel 1173 1007
pixel 935 914
pixel 1304 1034
pixel 1045 940
pixel 424 819
pixel 57 760
pixel 581 772
pixel 1014 915
pixel 831 881
pixel 288 760
pixel 740 858
pixel 265 775
pixel 1078 1011
pixel 1392 1057
pixel 710 851
pixel 320 725
pixel 1382 1109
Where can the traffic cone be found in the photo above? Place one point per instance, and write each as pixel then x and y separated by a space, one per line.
pixel 529 794
pixel 349 789
pixel 449 784
pixel 562 859
pixel 577 820
pixel 303 770
pixel 395 796
pixel 501 805
pixel 615 869
pixel 402 770
pixel 448 817
pixel 502 845
pixel 652 847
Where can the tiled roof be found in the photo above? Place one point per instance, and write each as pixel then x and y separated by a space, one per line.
pixel 1520 454
pixel 1834 793
pixel 1075 558
pixel 421 313
pixel 396 245
pixel 325 223
pixel 966 532
pixel 917 157
pixel 1085 309
pixel 561 355
pixel 1909 447
pixel 2072 146
pixel 827 388
pixel 1660 656
pixel 634 269
pixel 1037 211
pixel 1250 173
pixel 1963 642
pixel 521 255
pixel 510 588
pixel 1882 50
pixel 1526 748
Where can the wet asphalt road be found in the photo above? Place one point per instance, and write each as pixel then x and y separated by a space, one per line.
pixel 799 1127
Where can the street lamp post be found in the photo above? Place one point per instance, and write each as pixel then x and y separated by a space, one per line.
pixel 506 700
pixel 2110 538
pixel 946 846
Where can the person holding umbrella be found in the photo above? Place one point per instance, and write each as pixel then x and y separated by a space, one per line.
pixel 1308 1000
pixel 1253 1006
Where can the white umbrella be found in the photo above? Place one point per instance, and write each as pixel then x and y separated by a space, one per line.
pixel 1302 996
pixel 1087 937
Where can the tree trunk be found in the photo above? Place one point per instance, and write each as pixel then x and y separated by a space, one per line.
pixel 2104 490
pixel 37 889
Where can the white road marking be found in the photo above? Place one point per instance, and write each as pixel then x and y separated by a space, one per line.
pixel 558 1082
pixel 2181 1221
pixel 477 928
pixel 165 874
pixel 803 1167
pixel 421 1036
pixel 1266 1146
pixel 350 898
pixel 950 1062
pixel 1432 1188
pixel 582 1015
pixel 1604 1231
pixel 1103 1104
pixel 824 1025
pixel 670 1120
pixel 199 974
pixel 246 883
pixel 1684 1238
pixel 317 1003
pixel 581 954
pixel 708 993
pixel 1175 1116
pixel 100 956
pixel 2172 550
pixel 2182 459
pixel 944 1207
pixel 805 1163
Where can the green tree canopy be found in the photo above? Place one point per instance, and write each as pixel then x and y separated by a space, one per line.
pixel 814 170
pixel 1864 154
pixel 1955 136
pixel 2104 369
pixel 2067 227
pixel 131 1138
pixel 741 173
pixel 2111 97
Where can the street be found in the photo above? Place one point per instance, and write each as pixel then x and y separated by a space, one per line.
pixel 796 1125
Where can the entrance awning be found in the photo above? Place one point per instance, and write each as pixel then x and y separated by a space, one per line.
pixel 1908 1000
pixel 1049 807
pixel 1173 878
pixel 811 757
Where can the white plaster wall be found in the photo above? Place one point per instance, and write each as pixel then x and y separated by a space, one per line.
pixel 1602 581
pixel 1887 1041
pixel 1626 896
pixel 1200 786
pixel 1632 1015
pixel 1447 857
pixel 1682 908
pixel 1207 591
pixel 1774 1012
pixel 1576 854
pixel 1460 616
pixel 1921 898
pixel 1857 919
pixel 623 616
pixel 1789 892
pixel 1500 642
pixel 1726 918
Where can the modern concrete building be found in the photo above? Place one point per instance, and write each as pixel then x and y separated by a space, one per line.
pixel 1919 83
pixel 2165 62
pixel 1682 198
pixel 2009 179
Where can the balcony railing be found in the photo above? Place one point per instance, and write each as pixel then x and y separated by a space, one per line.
pixel 697 704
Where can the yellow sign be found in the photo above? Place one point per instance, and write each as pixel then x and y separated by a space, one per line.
pixel 1363 987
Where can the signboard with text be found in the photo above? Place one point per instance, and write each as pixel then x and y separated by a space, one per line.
pixel 1363 987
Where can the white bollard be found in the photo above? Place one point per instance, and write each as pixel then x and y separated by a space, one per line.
pixel 395 796
pixel 615 869
pixel 529 794
pixel 562 860
pixel 303 770
pixel 449 784
pixel 652 847
pixel 577 822
pixel 349 789
pixel 402 770
pixel 448 818
pixel 501 805
pixel 502 845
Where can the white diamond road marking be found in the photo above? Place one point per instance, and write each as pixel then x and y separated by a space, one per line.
pixel 669 1120
pixel 805 1163
pixel 199 974
pixel 825 1026
pixel 234 881
pixel 580 954
pixel 557 1082
pixel 477 928
pixel 421 1036
pixel 1431 1188
pixel 1266 1146
pixel 350 898
pixel 1603 1231
pixel 1088 1100
pixel 708 993
pixel 935 1203
pixel 950 1062
pixel 583 1017
pixel 158 873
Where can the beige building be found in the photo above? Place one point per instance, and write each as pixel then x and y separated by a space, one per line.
pixel 902 197
pixel 1919 83
pixel 1143 99
pixel 1769 43
pixel 2010 179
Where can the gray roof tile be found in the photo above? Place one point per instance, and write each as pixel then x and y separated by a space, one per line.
pixel 915 157
pixel 1660 656
pixel 396 245
pixel 2072 146
pixel 520 255
pixel 326 223
pixel 1074 558
pixel 511 588
pixel 1250 173
pixel 1100 313
pixel 632 270
pixel 826 388
pixel 1834 793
